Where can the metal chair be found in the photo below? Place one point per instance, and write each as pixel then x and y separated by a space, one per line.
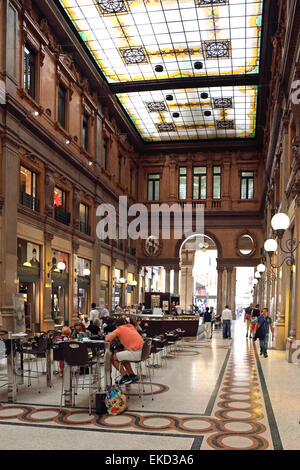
pixel 35 350
pixel 3 352
pixel 76 356
pixel 146 352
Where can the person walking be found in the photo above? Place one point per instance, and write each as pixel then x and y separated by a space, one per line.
pixel 94 313
pixel 254 317
pixel 207 319
pixel 247 318
pixel 226 321
pixel 264 323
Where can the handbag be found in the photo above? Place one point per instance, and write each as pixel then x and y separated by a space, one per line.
pixel 115 401
pixel 254 320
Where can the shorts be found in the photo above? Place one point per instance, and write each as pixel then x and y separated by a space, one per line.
pixel 129 355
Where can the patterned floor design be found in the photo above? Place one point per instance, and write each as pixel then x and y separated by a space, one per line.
pixel 237 421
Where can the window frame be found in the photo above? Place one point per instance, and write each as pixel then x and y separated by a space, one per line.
pixel 62 87
pixel 219 174
pixel 247 179
pixel 199 176
pixel 32 91
pixel 85 131
pixel 86 220
pixel 153 182
pixel 179 182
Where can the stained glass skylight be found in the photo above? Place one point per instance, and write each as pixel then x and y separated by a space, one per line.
pixel 131 40
pixel 189 114
pixel 144 43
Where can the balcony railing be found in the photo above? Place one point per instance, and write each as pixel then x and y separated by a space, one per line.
pixel 61 215
pixel 131 251
pixel 29 201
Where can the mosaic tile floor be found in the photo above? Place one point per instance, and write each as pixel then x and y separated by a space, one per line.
pixel 211 395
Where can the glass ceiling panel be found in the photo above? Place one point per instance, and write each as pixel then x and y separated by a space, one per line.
pixel 194 113
pixel 160 39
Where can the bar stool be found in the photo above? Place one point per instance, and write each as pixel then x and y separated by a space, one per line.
pixel 146 352
pixel 76 356
pixel 34 350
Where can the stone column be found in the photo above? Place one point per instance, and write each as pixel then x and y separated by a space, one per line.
pixel 167 278
pixel 47 322
pixel 95 272
pixel 173 180
pixel 189 182
pixel 220 302
pixel 8 257
pixel 229 271
pixel 294 333
pixel 176 280
pixel 233 289
pixel 209 185
pixel 187 279
pixel 226 196
pixel 124 286
pixel 73 282
pixel 111 282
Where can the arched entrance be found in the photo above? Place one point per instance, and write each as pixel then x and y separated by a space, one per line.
pixel 198 276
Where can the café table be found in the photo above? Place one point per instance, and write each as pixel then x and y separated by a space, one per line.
pixel 16 377
pixel 12 378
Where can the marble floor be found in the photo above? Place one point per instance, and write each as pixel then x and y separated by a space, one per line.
pixel 212 394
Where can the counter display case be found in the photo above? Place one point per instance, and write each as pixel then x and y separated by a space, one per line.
pixel 163 323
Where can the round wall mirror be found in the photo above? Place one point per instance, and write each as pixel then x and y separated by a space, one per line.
pixel 245 245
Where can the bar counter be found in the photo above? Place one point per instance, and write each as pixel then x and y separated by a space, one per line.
pixel 162 323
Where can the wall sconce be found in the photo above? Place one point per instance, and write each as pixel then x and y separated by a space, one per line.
pixel 56 267
pixel 86 271
pixel 122 280
pixel 134 283
pixel 280 223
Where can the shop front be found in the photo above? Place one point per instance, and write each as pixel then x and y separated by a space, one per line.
pixel 117 294
pixel 104 285
pixel 131 284
pixel 29 258
pixel 84 285
pixel 60 288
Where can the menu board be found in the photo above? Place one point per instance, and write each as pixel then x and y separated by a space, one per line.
pixel 155 301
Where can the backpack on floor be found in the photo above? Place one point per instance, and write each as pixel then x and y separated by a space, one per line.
pixel 115 401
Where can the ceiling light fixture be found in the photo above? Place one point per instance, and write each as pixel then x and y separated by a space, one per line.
pixel 159 68
pixel 198 65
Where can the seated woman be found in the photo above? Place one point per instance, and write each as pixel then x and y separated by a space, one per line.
pixel 132 341
pixel 94 327
pixel 80 328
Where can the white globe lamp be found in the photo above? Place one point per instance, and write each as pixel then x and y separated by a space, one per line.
pixel 271 246
pixel 261 268
pixel 280 223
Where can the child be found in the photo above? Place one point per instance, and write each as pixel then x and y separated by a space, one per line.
pixel 65 334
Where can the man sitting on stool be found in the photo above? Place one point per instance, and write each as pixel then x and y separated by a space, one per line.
pixel 133 345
